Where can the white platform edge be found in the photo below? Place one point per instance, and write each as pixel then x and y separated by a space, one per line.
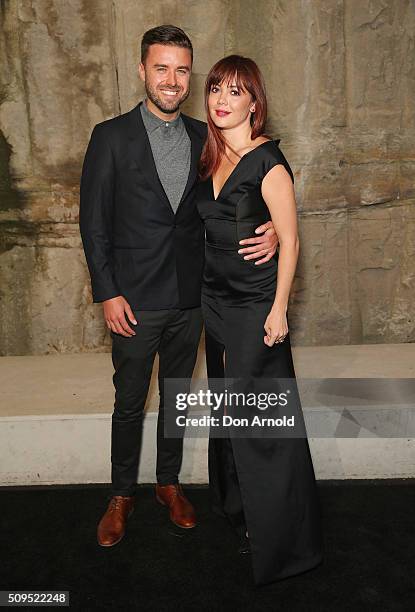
pixel 75 449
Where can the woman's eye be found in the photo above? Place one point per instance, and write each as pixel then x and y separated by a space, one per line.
pixel 214 89
pixel 235 92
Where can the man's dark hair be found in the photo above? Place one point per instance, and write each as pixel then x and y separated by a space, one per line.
pixel 165 35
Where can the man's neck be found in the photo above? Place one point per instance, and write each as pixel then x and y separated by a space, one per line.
pixel 156 111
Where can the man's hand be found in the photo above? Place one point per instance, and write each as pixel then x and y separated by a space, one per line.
pixel 265 246
pixel 115 310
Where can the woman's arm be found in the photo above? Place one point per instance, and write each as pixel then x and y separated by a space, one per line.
pixel 278 193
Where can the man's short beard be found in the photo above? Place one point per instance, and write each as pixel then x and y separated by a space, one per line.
pixel 152 95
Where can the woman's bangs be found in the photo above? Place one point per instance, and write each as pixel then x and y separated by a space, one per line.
pixel 241 81
pixel 227 75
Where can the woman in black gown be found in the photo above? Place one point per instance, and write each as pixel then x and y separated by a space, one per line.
pixel 266 487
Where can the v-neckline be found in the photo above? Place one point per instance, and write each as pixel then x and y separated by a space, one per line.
pixel 215 199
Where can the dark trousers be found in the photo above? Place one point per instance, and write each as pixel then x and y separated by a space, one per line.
pixel 173 334
pixel 223 476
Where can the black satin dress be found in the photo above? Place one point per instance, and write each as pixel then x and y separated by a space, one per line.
pixel 266 486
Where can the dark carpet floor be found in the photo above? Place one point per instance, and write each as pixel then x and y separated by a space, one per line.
pixel 47 541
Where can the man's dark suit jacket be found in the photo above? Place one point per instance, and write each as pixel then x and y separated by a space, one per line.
pixel 135 245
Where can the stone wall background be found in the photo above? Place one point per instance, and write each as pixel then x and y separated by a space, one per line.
pixel 341 84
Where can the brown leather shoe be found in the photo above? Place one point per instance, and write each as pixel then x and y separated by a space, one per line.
pixel 182 512
pixel 111 528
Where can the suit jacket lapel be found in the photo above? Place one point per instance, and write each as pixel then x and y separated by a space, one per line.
pixel 139 150
pixel 196 149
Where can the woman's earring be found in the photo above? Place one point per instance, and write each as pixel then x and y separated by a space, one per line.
pixel 252 109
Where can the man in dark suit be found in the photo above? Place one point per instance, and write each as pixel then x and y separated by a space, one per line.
pixel 144 245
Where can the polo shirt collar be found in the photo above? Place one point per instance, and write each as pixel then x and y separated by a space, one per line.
pixel 152 122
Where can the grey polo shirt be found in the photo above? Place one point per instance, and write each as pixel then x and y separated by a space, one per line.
pixel 171 149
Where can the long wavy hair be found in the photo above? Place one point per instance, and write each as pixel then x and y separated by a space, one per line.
pixel 245 74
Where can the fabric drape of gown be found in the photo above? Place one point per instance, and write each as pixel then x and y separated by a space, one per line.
pixel 266 486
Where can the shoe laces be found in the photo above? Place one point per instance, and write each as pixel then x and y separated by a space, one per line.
pixel 178 491
pixel 116 503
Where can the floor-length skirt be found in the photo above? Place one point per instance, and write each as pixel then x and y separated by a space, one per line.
pixel 266 485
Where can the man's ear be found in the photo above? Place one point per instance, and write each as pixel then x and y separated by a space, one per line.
pixel 141 71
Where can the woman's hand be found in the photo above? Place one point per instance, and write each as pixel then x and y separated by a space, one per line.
pixel 276 326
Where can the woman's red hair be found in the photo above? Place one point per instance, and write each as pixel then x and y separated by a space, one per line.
pixel 245 74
